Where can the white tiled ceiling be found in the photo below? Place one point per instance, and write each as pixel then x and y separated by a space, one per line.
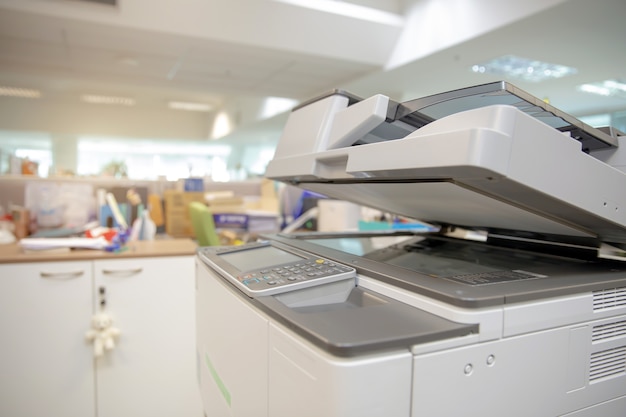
pixel 50 52
pixel 266 48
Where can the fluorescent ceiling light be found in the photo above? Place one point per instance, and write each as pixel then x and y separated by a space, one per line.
pixel 605 88
pixel 350 10
pixel 19 92
pixel 595 89
pixel 183 105
pixel 523 68
pixel 97 99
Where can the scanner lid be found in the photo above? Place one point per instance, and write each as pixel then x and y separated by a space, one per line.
pixel 489 157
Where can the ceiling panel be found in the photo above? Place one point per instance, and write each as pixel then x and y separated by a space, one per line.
pixel 69 56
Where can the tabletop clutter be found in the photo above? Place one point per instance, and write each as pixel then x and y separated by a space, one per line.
pixel 59 216
pixel 66 215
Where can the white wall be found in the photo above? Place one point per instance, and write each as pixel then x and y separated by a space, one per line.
pixel 433 25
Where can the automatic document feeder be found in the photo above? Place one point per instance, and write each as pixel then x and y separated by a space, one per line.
pixel 515 305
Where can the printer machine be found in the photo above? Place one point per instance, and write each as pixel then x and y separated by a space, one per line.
pixel 514 305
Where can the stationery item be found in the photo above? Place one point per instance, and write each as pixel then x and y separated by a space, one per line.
pixel 71 242
pixel 21 222
pixel 115 210
pixel 143 227
pixel 148 228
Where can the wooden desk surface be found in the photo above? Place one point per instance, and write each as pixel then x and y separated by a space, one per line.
pixel 13 253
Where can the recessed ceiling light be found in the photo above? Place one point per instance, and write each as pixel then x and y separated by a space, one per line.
pixel 605 88
pixel 98 99
pixel 19 92
pixel 523 68
pixel 183 105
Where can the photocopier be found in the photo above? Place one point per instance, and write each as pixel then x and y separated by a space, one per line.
pixel 513 303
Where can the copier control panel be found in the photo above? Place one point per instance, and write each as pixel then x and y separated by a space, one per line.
pixel 261 268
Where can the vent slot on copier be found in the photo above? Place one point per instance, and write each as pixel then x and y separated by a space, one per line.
pixel 608 331
pixel 609 298
pixel 607 363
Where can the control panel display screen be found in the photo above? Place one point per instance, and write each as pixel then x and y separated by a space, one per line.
pixel 258 258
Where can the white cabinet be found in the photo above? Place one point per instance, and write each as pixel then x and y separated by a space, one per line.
pixel 47 368
pixel 152 370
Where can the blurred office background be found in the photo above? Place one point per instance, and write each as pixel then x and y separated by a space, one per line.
pixel 182 88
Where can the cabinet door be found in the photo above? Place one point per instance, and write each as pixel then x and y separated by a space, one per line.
pixel 152 369
pixel 46 366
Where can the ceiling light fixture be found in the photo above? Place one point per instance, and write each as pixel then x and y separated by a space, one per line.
pixel 98 99
pixel 523 68
pixel 19 92
pixel 183 105
pixel 350 10
pixel 605 88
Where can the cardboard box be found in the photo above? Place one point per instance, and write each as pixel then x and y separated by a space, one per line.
pixel 250 221
pixel 177 219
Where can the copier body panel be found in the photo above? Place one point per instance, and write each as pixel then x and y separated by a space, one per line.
pixel 303 354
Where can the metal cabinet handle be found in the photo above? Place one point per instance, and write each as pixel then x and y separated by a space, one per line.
pixel 61 275
pixel 130 271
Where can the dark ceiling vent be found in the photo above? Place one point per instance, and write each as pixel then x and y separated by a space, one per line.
pixel 107 2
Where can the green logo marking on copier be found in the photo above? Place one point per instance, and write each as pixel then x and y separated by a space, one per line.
pixel 217 379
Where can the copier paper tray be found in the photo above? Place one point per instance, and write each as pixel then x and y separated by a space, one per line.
pixel 488 157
